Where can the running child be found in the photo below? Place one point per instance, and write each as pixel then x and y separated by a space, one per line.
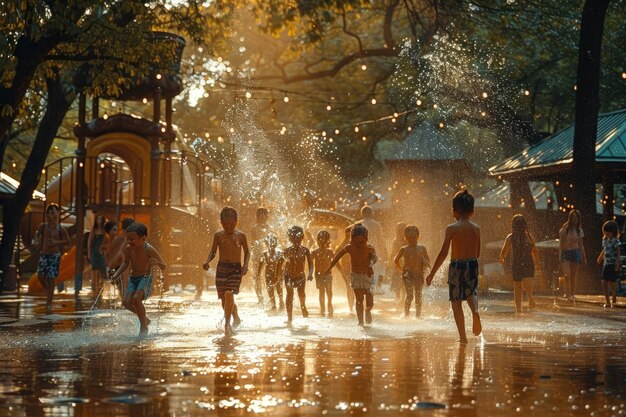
pixel 268 264
pixel 415 263
pixel 572 251
pixel 322 257
pixel 362 260
pixel 464 238
pixel 524 260
pixel 295 279
pixel 610 259
pixel 396 274
pixel 115 256
pixel 230 243
pixel 259 231
pixel 142 258
pixel 52 240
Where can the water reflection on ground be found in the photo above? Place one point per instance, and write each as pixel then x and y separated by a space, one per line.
pixel 84 362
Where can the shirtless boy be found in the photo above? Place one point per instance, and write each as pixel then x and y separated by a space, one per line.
pixel 464 237
pixel 268 264
pixel 322 257
pixel 362 258
pixel 230 243
pixel 295 279
pixel 142 258
pixel 415 263
pixel 52 239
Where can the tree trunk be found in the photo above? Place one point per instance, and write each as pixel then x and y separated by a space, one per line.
pixel 586 120
pixel 58 105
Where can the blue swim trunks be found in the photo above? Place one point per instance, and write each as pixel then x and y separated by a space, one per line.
pixel 49 265
pixel 140 283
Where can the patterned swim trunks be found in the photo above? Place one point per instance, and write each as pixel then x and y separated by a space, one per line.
pixel 294 282
pixel 227 278
pixel 462 279
pixel 140 283
pixel 49 265
pixel 361 281
pixel 324 281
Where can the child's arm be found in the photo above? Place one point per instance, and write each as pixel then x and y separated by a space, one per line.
pixel 212 253
pixel 506 248
pixel 310 262
pixel 618 262
pixel 246 254
pixel 123 266
pixel 601 257
pixel 89 240
pixel 581 245
pixel 260 267
pixel 65 240
pixel 336 259
pixel 397 259
pixel 155 259
pixel 426 259
pixel 443 254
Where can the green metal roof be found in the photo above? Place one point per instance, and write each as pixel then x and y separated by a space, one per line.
pixel 558 149
pixel 8 186
pixel 424 143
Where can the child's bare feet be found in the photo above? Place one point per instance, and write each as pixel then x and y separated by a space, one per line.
pixel 368 316
pixel 228 330
pixel 143 330
pixel 305 312
pixel 236 322
pixel 477 327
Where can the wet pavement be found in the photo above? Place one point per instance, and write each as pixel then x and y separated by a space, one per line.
pixel 561 359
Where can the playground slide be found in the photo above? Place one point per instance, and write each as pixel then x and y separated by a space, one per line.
pixel 67 270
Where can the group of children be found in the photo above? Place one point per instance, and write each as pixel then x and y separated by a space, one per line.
pixel 295 265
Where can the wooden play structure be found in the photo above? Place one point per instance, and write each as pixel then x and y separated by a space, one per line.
pixel 131 166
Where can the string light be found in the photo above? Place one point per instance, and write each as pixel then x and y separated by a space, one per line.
pixel 329 108
pixel 286 99
pixel 485 95
pixel 373 101
pixel 363 67
pixel 356 129
pixel 526 92
pixel 248 94
pixel 418 102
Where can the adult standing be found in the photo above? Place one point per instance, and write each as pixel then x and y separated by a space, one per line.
pixel 571 251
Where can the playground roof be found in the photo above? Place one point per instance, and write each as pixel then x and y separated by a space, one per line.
pixel 424 143
pixel 8 186
pixel 556 151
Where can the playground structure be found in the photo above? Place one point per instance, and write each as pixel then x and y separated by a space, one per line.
pixel 130 166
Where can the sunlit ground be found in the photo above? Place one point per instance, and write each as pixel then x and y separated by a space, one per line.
pixel 558 360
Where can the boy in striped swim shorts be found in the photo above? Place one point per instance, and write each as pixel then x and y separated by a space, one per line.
pixel 229 271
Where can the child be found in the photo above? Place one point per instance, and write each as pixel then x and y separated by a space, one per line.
pixel 415 262
pixel 269 262
pixel 464 237
pixel 362 259
pixel 571 251
pixel 52 239
pixel 258 232
pixel 94 254
pixel 115 255
pixel 525 258
pixel 396 275
pixel 230 243
pixel 322 257
pixel 142 258
pixel 293 259
pixel 610 258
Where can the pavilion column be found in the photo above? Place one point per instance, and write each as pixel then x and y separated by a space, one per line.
pixel 81 153
pixel 608 198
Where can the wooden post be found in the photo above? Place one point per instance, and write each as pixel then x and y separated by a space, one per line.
pixel 81 152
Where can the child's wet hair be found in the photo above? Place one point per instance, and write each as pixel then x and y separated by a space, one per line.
pixel 463 202
pixel 127 222
pixel 295 231
pixel 270 240
pixel 367 211
pixel 228 213
pixel 108 226
pixel 359 230
pixel 52 206
pixel 411 231
pixel 139 228
pixel 400 228
pixel 323 235
pixel 262 212
pixel 610 227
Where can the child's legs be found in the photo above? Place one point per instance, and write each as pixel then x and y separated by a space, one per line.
pixel 349 294
pixel 269 285
pixel 258 287
pixel 573 272
pixel 322 299
pixel 50 291
pixel 419 285
pixel 289 302
pixel 527 284
pixel 477 327
pixel 359 295
pixel 369 300
pixel 517 295
pixel 605 290
pixel 459 319
pixel 279 292
pixel 329 297
pixel 228 302
pixel 302 296
pixel 408 287
pixel 139 309
pixel 613 286
pixel 128 301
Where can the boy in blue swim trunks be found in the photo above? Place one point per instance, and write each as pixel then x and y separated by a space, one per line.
pixel 230 243
pixel 52 239
pixel 464 237
pixel 142 258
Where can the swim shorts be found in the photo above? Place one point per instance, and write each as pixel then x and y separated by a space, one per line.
pixel 462 279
